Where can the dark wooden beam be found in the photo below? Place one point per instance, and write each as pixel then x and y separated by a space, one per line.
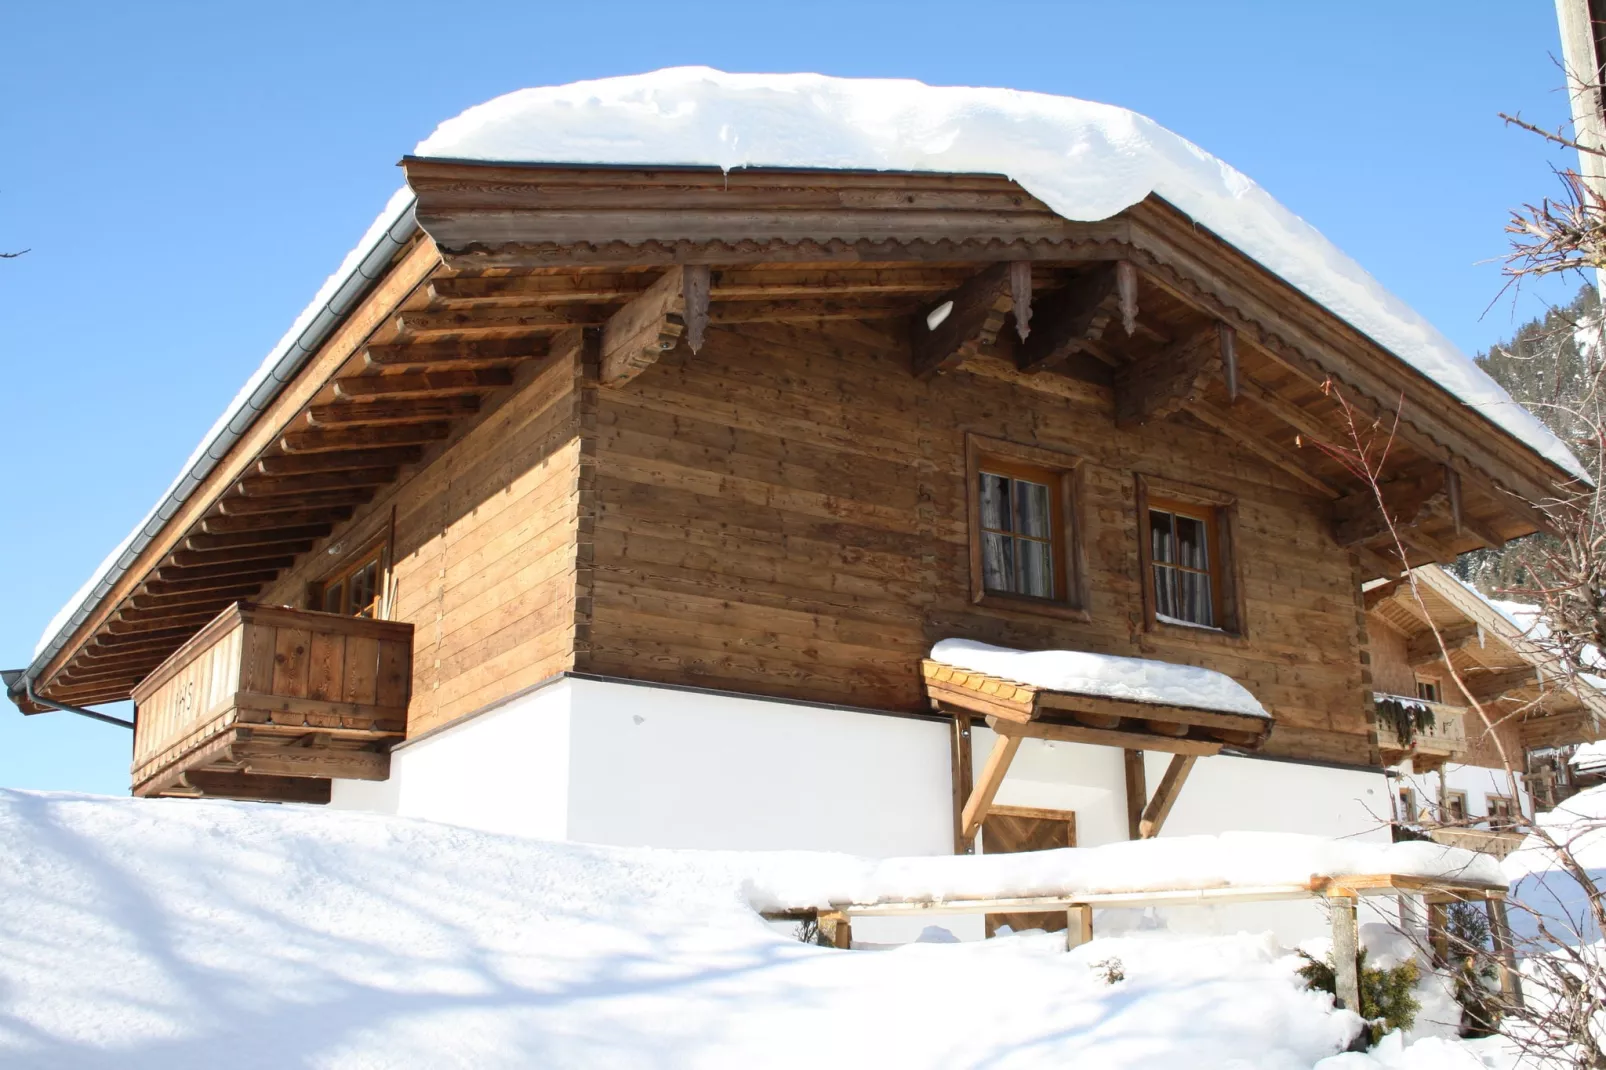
pixel 290 503
pixel 1069 319
pixel 152 623
pixel 449 352
pixel 1227 338
pixel 191 601
pixel 1493 686
pixel 654 321
pixel 107 642
pixel 229 525
pixel 1358 518
pixel 285 486
pixel 351 438
pixel 252 563
pixel 167 614
pixel 258 538
pixel 423 384
pixel 349 460
pixel 374 413
pixel 214 784
pixel 160 588
pixel 1137 792
pixel 1157 386
pixel 1423 649
pixel 974 315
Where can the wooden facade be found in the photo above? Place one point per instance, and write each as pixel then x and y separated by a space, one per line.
pixel 722 431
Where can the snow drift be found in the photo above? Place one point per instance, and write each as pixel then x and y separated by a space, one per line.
pixel 178 934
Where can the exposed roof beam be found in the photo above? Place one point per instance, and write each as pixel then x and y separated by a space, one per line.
pixel 347 460
pixel 234 525
pixel 1068 319
pixel 1157 386
pixel 974 315
pixel 653 322
pixel 1357 517
pixel 261 537
pixel 1225 423
pixel 280 486
pixel 349 438
pixel 422 384
pixel 1424 649
pixel 224 568
pixel 374 413
pixel 452 352
pixel 291 503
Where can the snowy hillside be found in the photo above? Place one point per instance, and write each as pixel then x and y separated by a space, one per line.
pixel 178 934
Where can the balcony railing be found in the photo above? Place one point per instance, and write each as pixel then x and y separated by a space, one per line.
pixel 1496 842
pixel 271 703
pixel 1445 738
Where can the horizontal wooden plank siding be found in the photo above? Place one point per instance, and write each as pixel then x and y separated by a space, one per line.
pixel 785 513
pixel 485 549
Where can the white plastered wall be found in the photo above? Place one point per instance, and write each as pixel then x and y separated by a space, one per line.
pixel 637 765
pixel 1476 782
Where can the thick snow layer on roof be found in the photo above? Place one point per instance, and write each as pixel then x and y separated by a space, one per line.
pixel 173 934
pixel 1103 675
pixel 1589 757
pixel 1087 161
pixel 240 408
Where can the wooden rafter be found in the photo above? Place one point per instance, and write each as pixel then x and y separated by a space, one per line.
pixel 1157 386
pixel 653 323
pixel 1069 319
pixel 1226 424
pixel 966 321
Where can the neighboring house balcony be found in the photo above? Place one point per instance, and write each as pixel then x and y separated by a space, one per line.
pixel 271 703
pixel 1428 733
pixel 1496 842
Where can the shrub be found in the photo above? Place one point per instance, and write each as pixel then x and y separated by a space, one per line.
pixel 1387 1000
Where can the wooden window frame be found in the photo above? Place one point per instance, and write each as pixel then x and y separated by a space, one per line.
pixel 1219 510
pixel 1405 799
pixel 1433 682
pixel 376 552
pixel 1449 817
pixel 1062 472
pixel 1498 821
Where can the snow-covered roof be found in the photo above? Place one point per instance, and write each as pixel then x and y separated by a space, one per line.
pixel 1086 161
pixel 1589 757
pixel 1078 672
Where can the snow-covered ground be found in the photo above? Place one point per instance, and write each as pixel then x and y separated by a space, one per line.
pixel 177 934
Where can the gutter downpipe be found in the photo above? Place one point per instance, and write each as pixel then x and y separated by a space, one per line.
pixel 291 359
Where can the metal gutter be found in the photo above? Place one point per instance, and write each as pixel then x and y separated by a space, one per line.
pixel 286 362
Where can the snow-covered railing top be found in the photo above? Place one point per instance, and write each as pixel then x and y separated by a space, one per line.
pixel 1264 862
pixel 1086 161
pixel 1078 672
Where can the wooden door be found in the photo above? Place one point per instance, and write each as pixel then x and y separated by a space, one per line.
pixel 1008 829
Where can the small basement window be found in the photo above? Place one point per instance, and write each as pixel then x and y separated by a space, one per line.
pixel 354 590
pixel 1023 535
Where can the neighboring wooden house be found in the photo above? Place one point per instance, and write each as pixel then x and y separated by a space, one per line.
pixel 666 480
pixel 1450 763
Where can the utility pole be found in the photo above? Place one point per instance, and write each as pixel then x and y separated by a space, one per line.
pixel 1583 45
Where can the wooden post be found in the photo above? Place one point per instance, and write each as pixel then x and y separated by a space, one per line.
pixel 836 927
pixel 1137 793
pixel 1346 953
pixel 1229 360
pixel 1438 936
pixel 1165 796
pixel 1500 932
pixel 963 775
pixel 1078 926
pixel 992 775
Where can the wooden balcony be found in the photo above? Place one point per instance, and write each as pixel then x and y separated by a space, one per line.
pixel 1445 740
pixel 1496 842
pixel 270 703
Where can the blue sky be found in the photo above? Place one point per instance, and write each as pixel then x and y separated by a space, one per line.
pixel 187 174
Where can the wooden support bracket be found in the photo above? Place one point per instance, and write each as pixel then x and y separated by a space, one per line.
pixel 975 314
pixel 1165 796
pixel 986 789
pixel 1157 386
pixel 1069 320
pixel 653 323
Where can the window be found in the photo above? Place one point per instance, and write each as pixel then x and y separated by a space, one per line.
pixel 1455 807
pixel 1019 549
pixel 1501 810
pixel 1427 690
pixel 1024 545
pixel 1181 552
pixel 1407 807
pixel 354 590
pixel 1186 548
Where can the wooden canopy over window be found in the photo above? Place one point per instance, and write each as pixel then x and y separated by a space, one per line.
pixel 1016 709
pixel 513 263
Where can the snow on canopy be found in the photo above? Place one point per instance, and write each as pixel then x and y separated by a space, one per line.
pixel 179 934
pixel 1086 161
pixel 1103 675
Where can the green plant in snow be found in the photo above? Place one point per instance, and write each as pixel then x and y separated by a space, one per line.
pixel 1387 1000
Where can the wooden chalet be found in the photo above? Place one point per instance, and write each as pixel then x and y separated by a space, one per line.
pixel 766 436
pixel 1425 645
